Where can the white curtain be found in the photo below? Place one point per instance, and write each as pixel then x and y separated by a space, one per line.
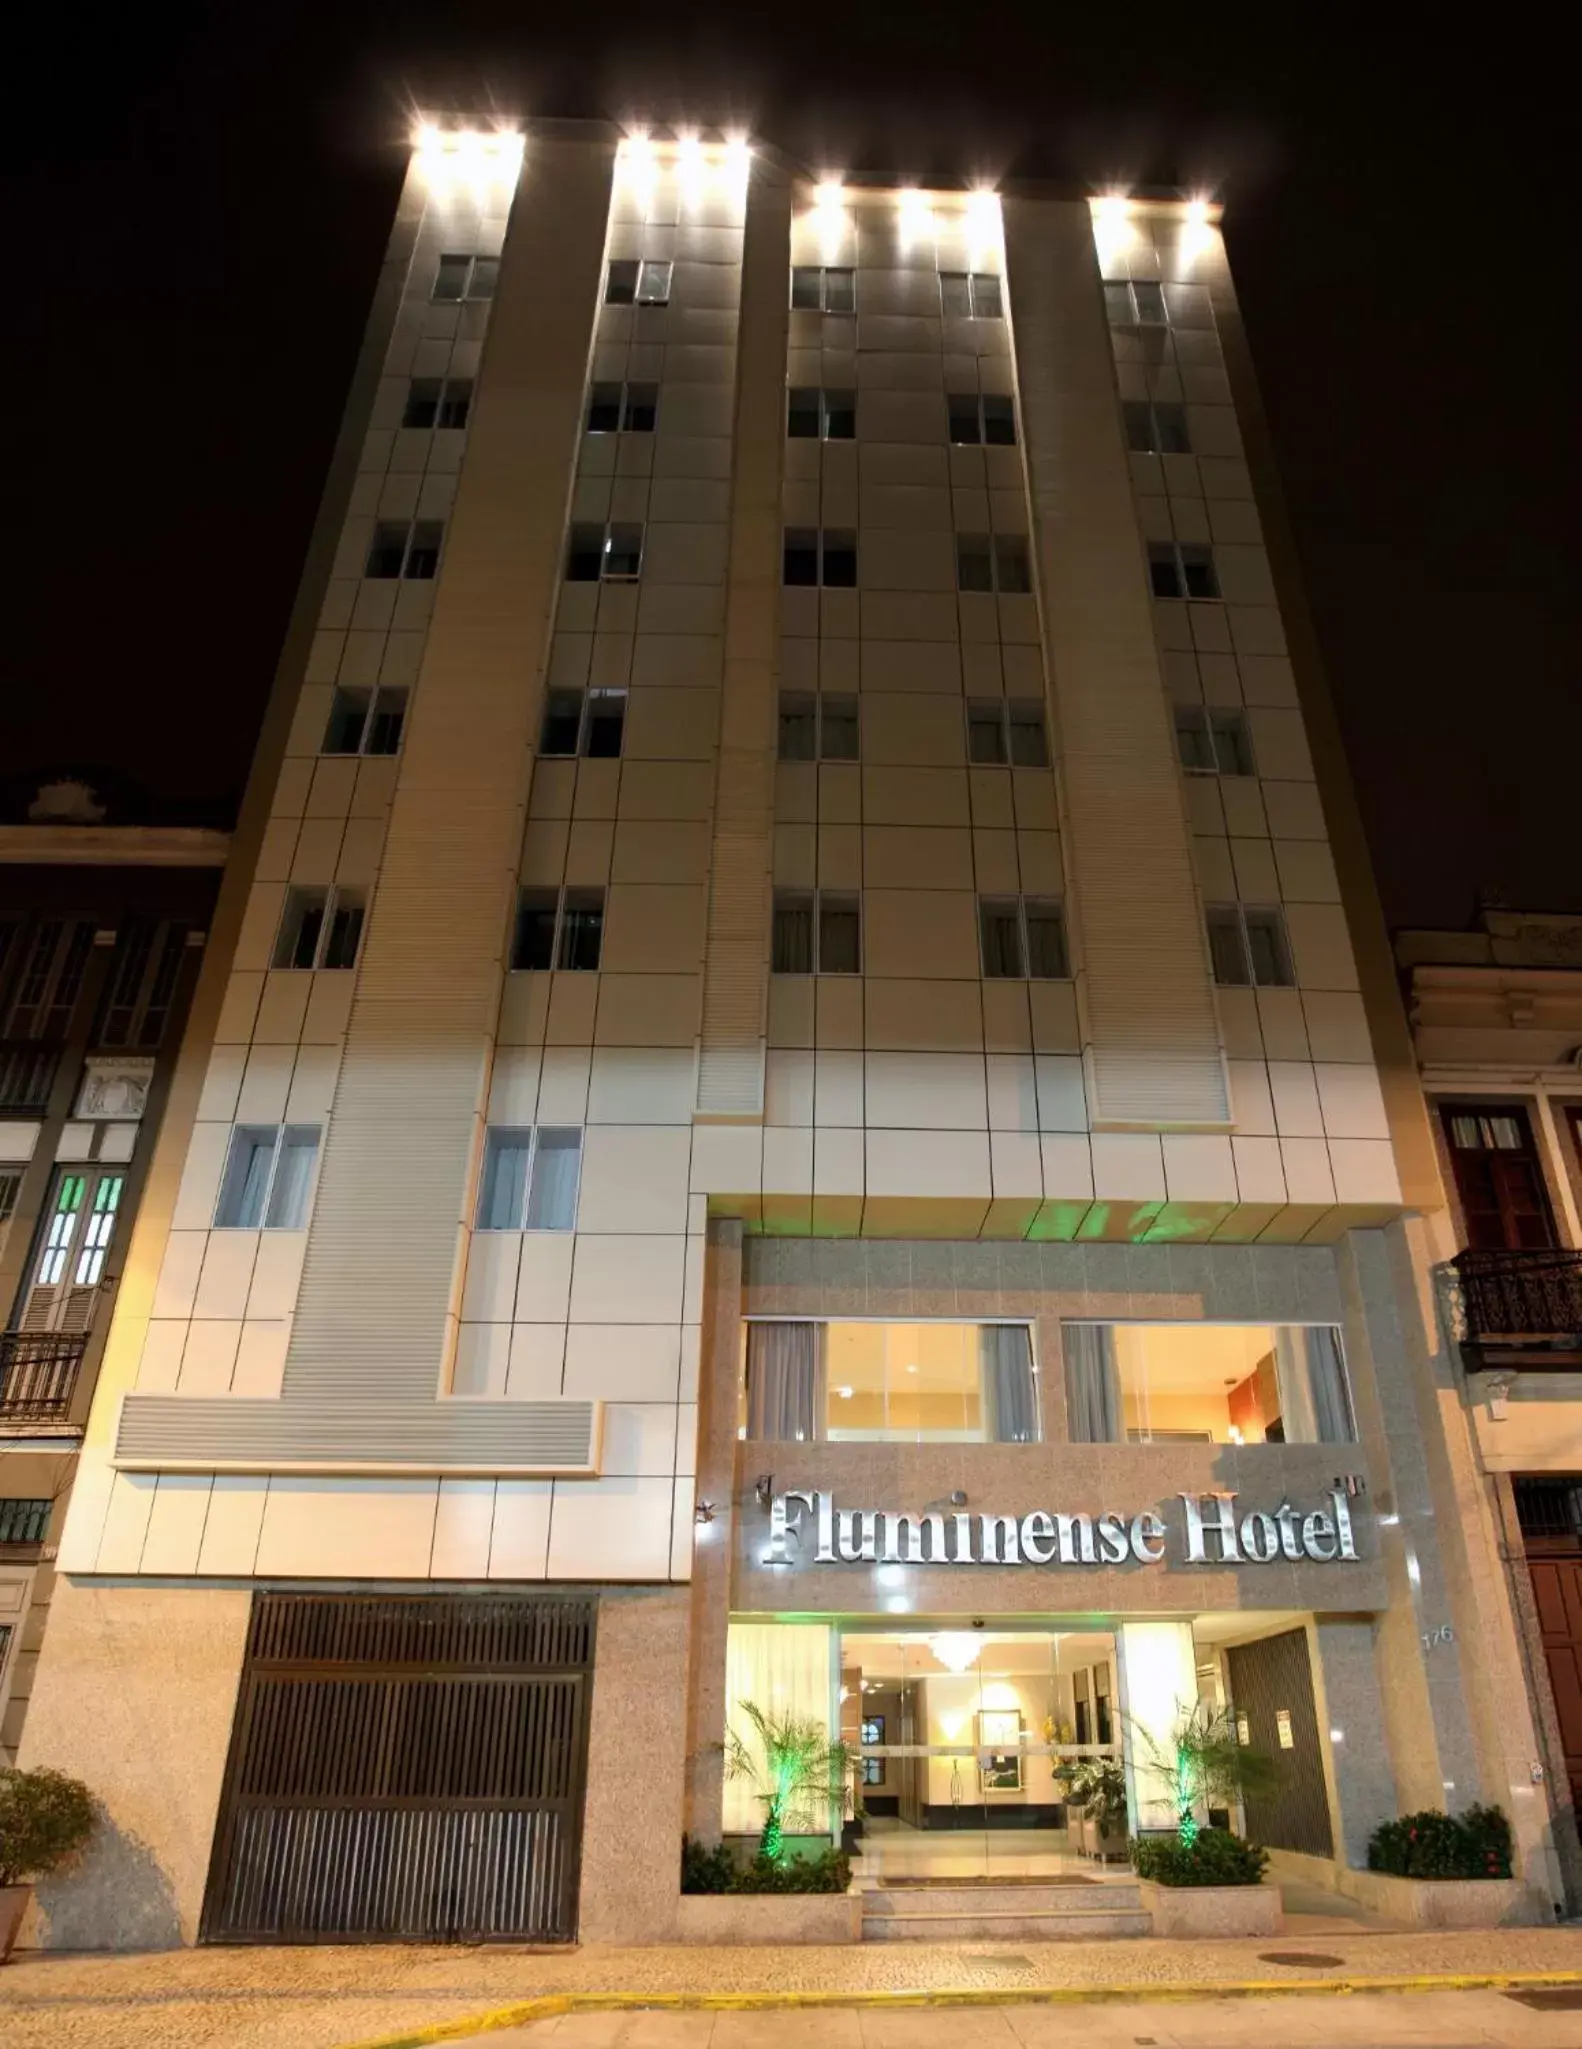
pixel 1093 1384
pixel 785 1381
pixel 781 1667
pixel 1315 1402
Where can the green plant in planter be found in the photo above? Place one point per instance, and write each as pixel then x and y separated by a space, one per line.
pixel 45 1818
pixel 1213 1857
pixel 715 1870
pixel 1476 1844
pixel 799 1776
pixel 1097 1784
pixel 1205 1763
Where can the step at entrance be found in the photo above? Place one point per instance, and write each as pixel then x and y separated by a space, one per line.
pixel 1008 1912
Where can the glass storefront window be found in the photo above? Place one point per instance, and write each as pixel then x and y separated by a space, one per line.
pixel 1206 1383
pixel 911 1383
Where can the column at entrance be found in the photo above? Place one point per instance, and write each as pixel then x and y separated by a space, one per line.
pixel 1157 1664
pixel 1352 1727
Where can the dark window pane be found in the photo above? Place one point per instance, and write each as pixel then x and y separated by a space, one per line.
pixel 623 553
pixel 485 276
pixel 1001 931
pixel 840 558
pixel 502 1192
pixel 1170 430
pixel 620 286
pixel 552 1196
pixel 346 930
pixel 802 413
pixel 450 280
pixel 606 723
pixel 801 555
pixel 348 716
pixel 581 929
pixel 955 294
pixel 1163 574
pixel 1046 940
pixel 805 287
pixel 1139 425
pixel 792 945
pixel 642 408
pixel 999 420
pixel 1029 741
pixel 653 284
pixel 1011 563
pixel 840 291
pixel 422 556
pixel 839 936
pixel 962 408
pixel 986 730
pixel 1197 569
pixel 1192 740
pixel 584 553
pixel 301 923
pixel 1225 945
pixel 533 944
pixel 986 302
pixel 604 409
pixel 422 402
pixel 838 728
pixel 798 727
pixel 387 550
pixel 974 564
pixel 1232 748
pixel 384 728
pixel 456 404
pixel 1118 305
pixel 840 416
pixel 1149 300
pixel 562 722
pixel 1271 962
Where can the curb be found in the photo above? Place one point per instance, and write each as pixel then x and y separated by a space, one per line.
pixel 551 2005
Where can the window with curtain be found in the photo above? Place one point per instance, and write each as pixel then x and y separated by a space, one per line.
pixel 1010 1393
pixel 785 1381
pixel 1206 1383
pixel 855 1381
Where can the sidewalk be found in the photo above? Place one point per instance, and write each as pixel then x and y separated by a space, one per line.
pixel 313 1998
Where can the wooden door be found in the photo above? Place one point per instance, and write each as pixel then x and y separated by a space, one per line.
pixel 1499 1178
pixel 74 1241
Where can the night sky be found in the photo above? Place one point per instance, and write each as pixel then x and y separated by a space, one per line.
pixel 197 200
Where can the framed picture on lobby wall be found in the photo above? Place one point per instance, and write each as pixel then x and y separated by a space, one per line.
pixel 1000 1750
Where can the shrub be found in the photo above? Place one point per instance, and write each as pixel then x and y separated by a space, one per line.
pixel 715 1870
pixel 45 1817
pixel 1215 1857
pixel 1476 1844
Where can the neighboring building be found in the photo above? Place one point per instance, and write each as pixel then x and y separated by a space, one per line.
pixel 1497 1018
pixel 101 930
pixel 798 1004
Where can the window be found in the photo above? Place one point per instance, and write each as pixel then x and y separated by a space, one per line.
pixel 1182 569
pixel 813 414
pixel 1023 939
pixel 319 928
pixel 1206 1383
pixel 49 979
pixel 586 722
pixel 1247 944
pixel 1135 304
pixel 438 402
pixel 611 554
pixel 818 726
pixel 821 555
pixel 142 985
pixel 529 1179
pixel 970 295
pixel 986 562
pixel 366 721
pixel 910 1383
pixel 1499 1177
pixel 817 289
pixel 1154 427
pixel 630 283
pixel 981 417
pixel 623 408
pixel 23 1521
pixel 1212 740
pixel 405 547
pixel 10 1189
pixel 466 277
pixel 1003 730
pixel 268 1172
pixel 816 932
pixel 558 928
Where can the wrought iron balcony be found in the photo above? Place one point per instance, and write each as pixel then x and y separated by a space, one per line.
pixel 38 1374
pixel 27 1076
pixel 1529 1299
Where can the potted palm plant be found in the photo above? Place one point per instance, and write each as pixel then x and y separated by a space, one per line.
pixel 1202 1881
pixel 798 1773
pixel 45 1818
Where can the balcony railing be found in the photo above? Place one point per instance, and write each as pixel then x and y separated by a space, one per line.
pixel 38 1374
pixel 1531 1297
pixel 27 1076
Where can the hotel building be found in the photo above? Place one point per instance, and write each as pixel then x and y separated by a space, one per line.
pixel 798 1098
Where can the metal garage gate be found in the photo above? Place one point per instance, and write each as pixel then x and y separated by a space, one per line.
pixel 405 1769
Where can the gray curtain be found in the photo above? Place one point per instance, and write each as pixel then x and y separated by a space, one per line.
pixel 1093 1384
pixel 1314 1398
pixel 1010 1399
pixel 785 1381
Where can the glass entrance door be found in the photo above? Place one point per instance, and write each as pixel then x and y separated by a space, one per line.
pixel 981 1753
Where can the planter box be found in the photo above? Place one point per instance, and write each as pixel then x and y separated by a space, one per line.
pixel 13 1904
pixel 1199 1911
pixel 1448 1902
pixel 770 1918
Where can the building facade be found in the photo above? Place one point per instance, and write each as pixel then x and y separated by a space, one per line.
pixel 798 1099
pixel 101 936
pixel 1496 1015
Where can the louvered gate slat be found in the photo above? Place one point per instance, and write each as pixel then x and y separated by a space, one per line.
pixel 405 1769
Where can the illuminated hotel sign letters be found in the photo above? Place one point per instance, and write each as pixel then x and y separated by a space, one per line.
pixel 807 1528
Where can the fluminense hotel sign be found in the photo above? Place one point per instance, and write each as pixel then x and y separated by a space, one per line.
pixel 808 1528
